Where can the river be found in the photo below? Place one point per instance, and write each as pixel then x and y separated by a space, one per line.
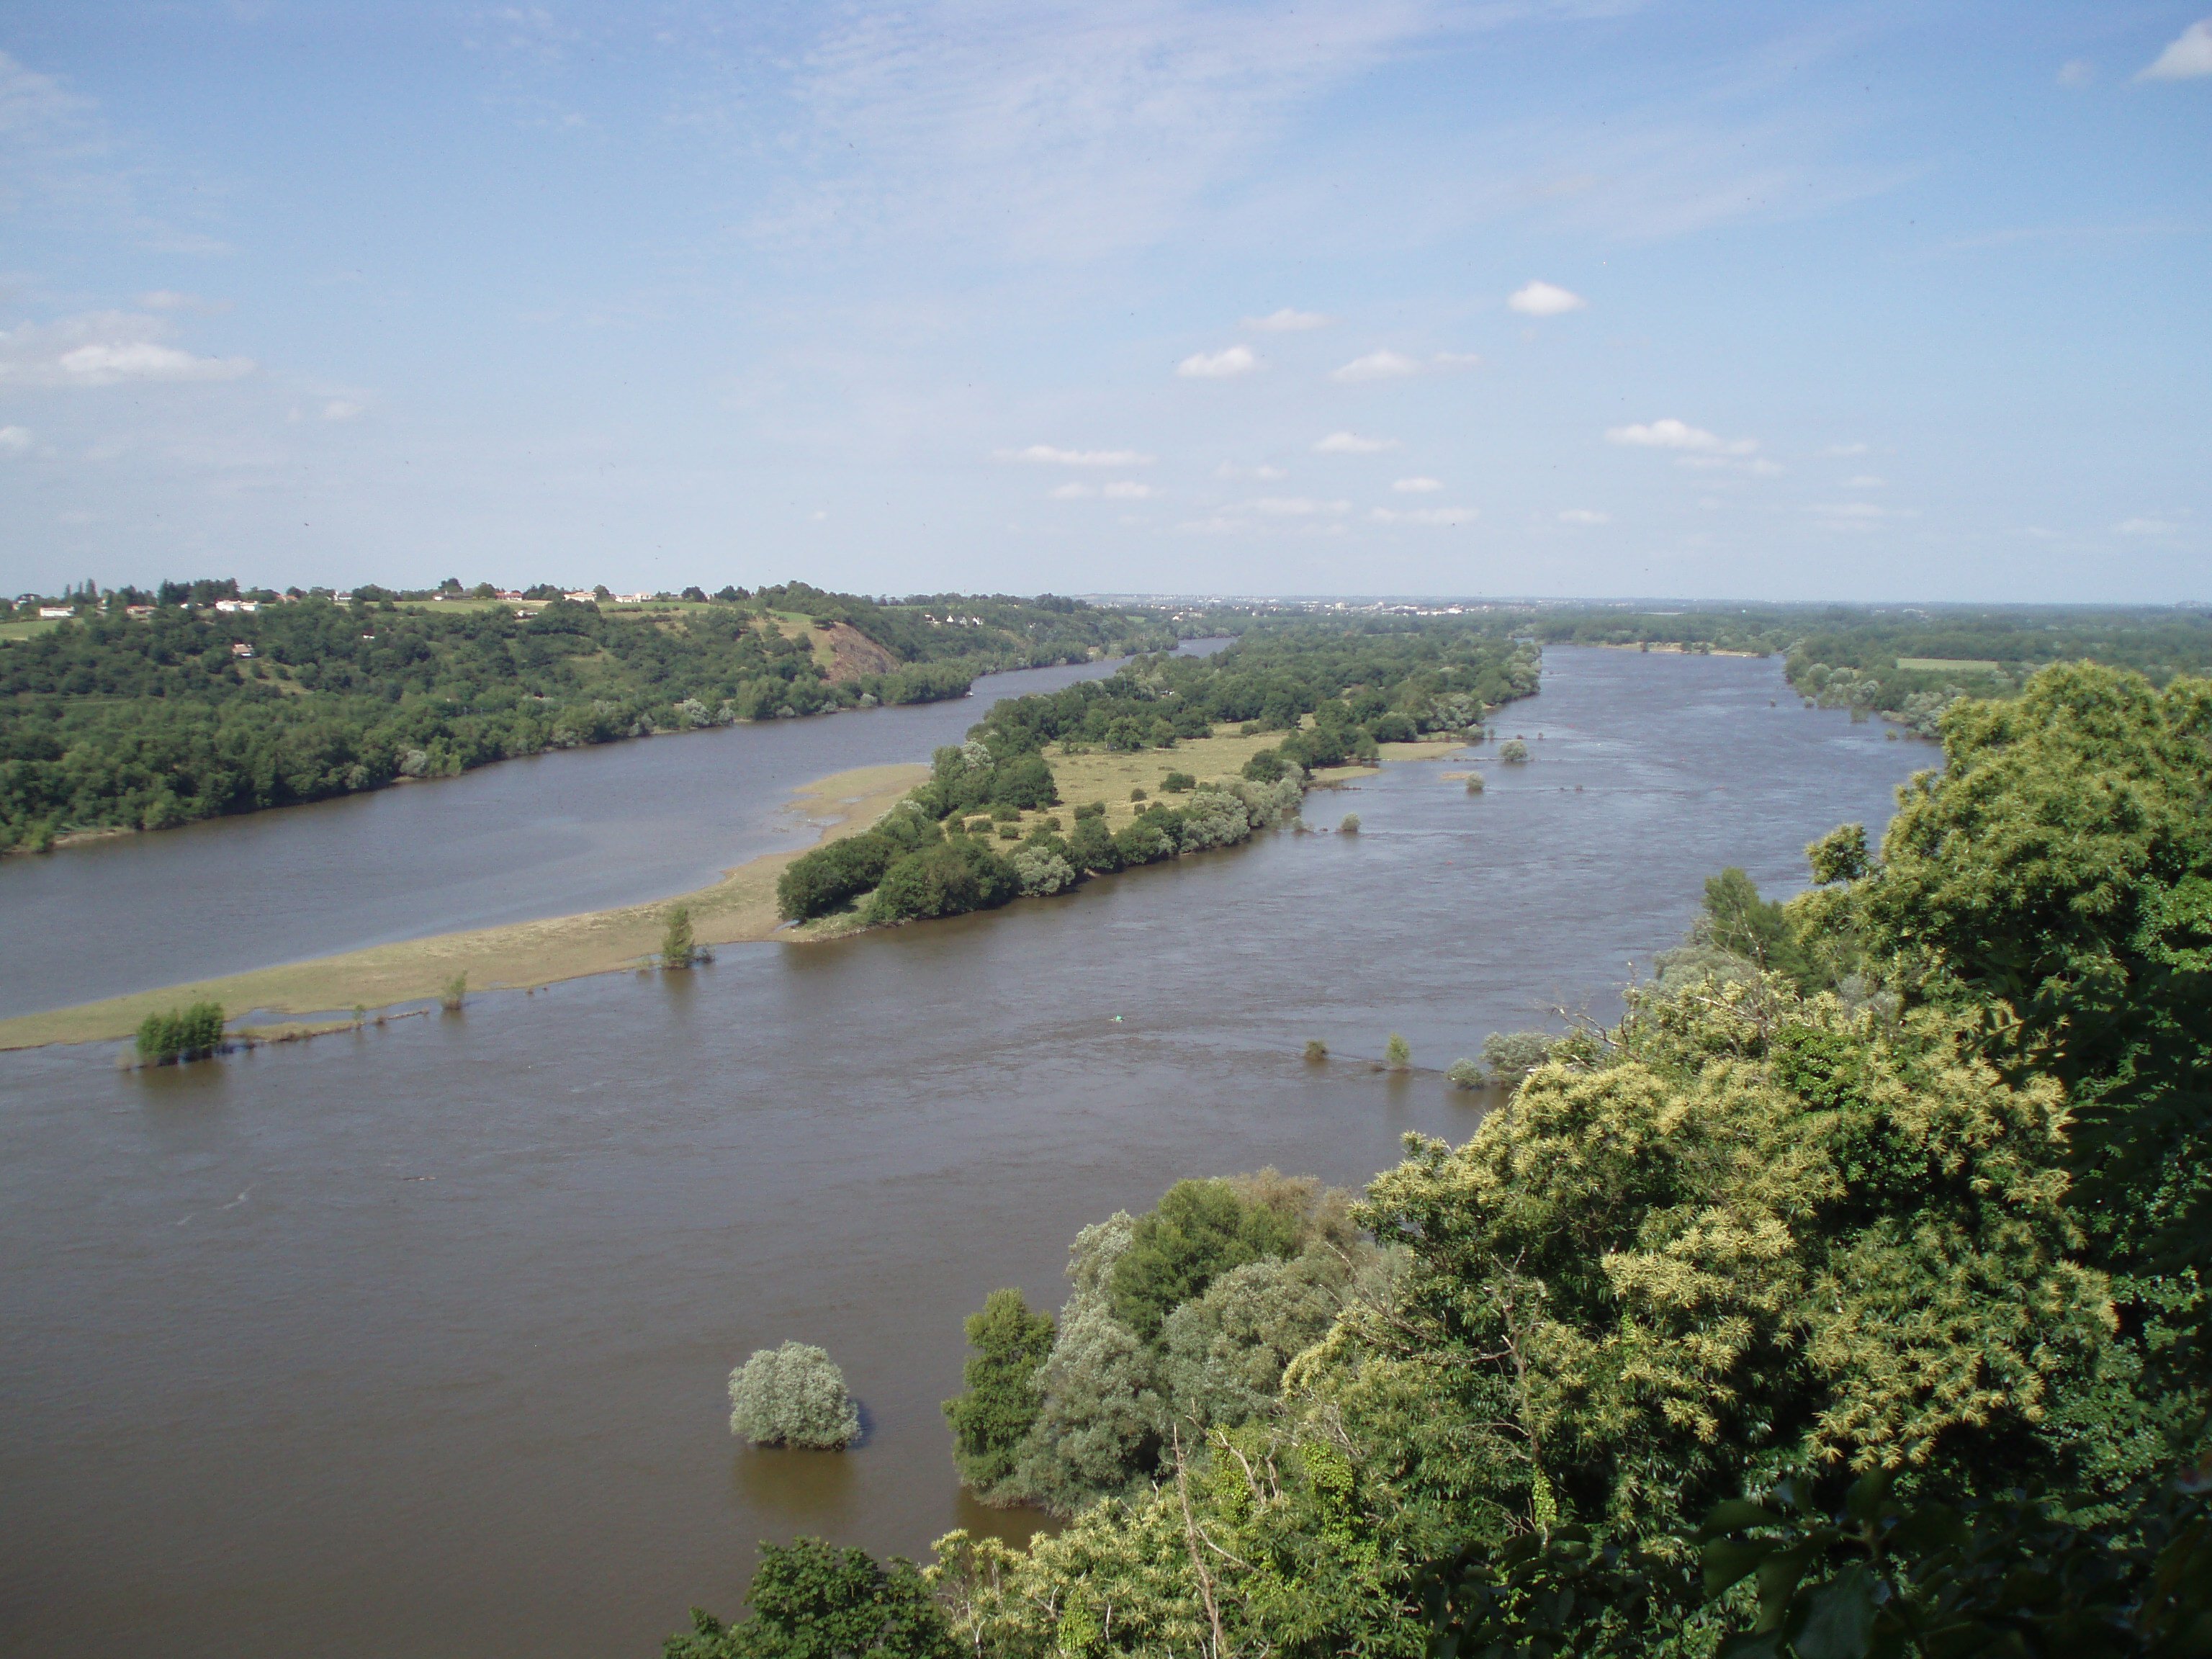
pixel 414 1342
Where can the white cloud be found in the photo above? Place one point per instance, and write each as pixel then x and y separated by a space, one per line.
pixel 14 440
pixel 2145 527
pixel 1585 515
pixel 168 299
pixel 1436 515
pixel 1218 365
pixel 1351 443
pixel 2078 73
pixel 1073 492
pixel 2189 57
pixel 1297 507
pixel 1287 321
pixel 1545 300
pixel 1127 490
pixel 1679 435
pixel 1458 359
pixel 103 349
pixel 1263 472
pixel 339 408
pixel 1417 486
pixel 1046 455
pixel 1377 366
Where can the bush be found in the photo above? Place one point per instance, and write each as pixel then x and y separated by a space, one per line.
pixel 811 1598
pixel 1316 1049
pixel 1176 783
pixel 946 880
pixel 1397 1053
pixel 1514 751
pixel 1350 824
pixel 1041 871
pixel 1464 1074
pixel 1010 832
pixel 1136 795
pixel 1092 847
pixel 994 1414
pixel 192 1033
pixel 1512 1055
pixel 1474 783
pixel 454 994
pixel 677 948
pixel 1143 842
pixel 793 1395
pixel 1095 809
pixel 818 882
pixel 1267 765
pixel 1200 1230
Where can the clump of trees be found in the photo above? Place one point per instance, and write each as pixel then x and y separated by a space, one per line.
pixel 679 947
pixel 181 1034
pixel 792 1395
pixel 1513 751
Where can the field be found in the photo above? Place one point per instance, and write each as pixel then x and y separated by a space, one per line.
pixel 738 908
pixel 1947 664
pixel 11 631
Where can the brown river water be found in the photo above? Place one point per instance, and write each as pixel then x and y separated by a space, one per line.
pixel 414 1342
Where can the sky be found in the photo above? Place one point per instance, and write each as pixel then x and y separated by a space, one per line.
pixel 1904 301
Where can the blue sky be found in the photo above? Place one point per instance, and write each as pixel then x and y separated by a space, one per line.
pixel 1882 300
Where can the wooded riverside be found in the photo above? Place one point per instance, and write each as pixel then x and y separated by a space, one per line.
pixel 1335 690
pixel 1846 1297
pixel 123 720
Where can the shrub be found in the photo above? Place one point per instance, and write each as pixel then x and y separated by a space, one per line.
pixel 1474 783
pixel 1464 1074
pixel 1092 847
pixel 1176 783
pixel 1010 832
pixel 945 879
pixel 1043 872
pixel 1512 1055
pixel 994 1415
pixel 818 882
pixel 1143 842
pixel 1316 1049
pixel 793 1395
pixel 1095 809
pixel 1136 794
pixel 1350 824
pixel 975 826
pixel 454 994
pixel 678 949
pixel 1397 1053
pixel 1267 765
pixel 1201 1230
pixel 1514 751
pixel 192 1033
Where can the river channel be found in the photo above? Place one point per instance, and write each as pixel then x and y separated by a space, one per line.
pixel 414 1342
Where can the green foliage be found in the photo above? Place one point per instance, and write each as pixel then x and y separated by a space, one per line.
pixel 1513 751
pixel 1177 783
pixel 792 1395
pixel 454 992
pixel 947 878
pixel 992 1416
pixel 1397 1053
pixel 182 1034
pixel 1739 922
pixel 1512 1055
pixel 1316 1049
pixel 678 947
pixel 810 1600
pixel 1201 1229
pixel 1350 825
pixel 1465 1074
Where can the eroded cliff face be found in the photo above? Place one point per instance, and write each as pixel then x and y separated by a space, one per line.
pixel 853 654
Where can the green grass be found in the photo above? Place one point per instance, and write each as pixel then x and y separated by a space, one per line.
pixel 24 631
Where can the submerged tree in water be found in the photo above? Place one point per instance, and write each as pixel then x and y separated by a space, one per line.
pixel 793 1395
pixel 182 1034
pixel 994 1415
pixel 678 949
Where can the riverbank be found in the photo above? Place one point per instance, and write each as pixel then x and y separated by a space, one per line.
pixel 738 908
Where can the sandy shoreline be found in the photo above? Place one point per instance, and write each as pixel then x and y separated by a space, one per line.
pixel 739 908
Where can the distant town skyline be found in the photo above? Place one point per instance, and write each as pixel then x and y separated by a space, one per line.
pixel 1857 301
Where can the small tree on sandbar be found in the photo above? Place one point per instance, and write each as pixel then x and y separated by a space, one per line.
pixel 678 949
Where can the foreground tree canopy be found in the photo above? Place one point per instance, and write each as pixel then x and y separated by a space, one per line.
pixel 1845 1298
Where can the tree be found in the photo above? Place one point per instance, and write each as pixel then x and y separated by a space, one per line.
pixel 1397 1053
pixel 1199 1228
pixel 810 1601
pixel 1512 1055
pixel 792 1395
pixel 678 949
pixel 1513 751
pixel 1737 920
pixel 182 1034
pixel 992 1416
